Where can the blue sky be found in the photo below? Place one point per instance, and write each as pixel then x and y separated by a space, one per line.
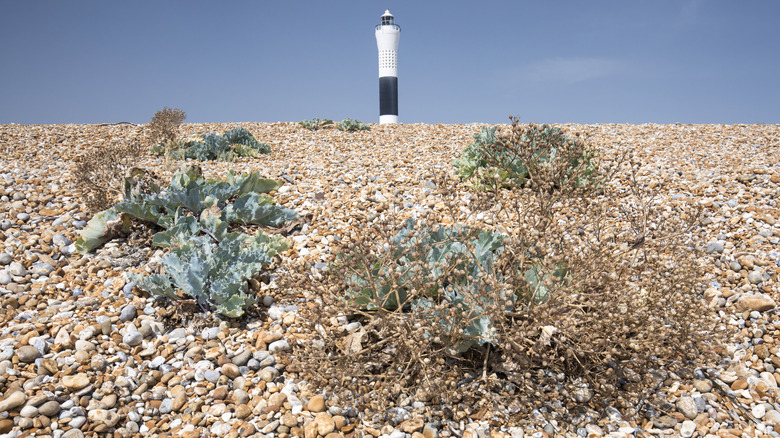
pixel 661 61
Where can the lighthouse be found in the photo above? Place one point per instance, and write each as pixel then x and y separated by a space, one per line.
pixel 387 35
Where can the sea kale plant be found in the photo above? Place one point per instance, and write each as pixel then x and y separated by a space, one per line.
pixel 553 269
pixel 352 125
pixel 526 152
pixel 315 123
pixel 206 260
pixel 235 143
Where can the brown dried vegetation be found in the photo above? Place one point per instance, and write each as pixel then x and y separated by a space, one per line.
pixel 165 125
pixel 100 173
pixel 626 314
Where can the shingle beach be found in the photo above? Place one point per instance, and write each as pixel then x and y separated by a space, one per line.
pixel 83 353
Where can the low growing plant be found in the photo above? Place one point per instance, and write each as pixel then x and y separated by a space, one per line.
pixel 576 289
pixel 315 123
pixel 235 143
pixel 352 125
pixel 207 261
pixel 524 152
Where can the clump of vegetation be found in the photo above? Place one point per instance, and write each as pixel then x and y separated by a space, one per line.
pixel 315 123
pixel 523 153
pixel 166 124
pixel 165 127
pixel 352 125
pixel 101 172
pixel 235 143
pixel 207 261
pixel 547 282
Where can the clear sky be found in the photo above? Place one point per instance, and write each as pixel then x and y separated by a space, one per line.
pixel 661 61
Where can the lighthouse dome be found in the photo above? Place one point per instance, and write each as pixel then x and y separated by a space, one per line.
pixel 387 18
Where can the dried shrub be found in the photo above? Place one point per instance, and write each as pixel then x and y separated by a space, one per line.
pixel 621 303
pixel 101 173
pixel 165 125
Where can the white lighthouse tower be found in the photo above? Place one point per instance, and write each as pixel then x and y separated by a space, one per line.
pixel 387 35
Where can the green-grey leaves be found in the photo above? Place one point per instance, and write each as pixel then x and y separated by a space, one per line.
pixel 237 142
pixel 206 261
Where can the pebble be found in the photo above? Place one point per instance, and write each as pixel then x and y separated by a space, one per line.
pixel 277 346
pixel 12 401
pixel 127 314
pixel 28 353
pixel 687 407
pixel 133 338
pixel 316 404
pixel 50 408
pixel 688 428
pixel 16 269
pixel 759 303
pixel 104 416
pixel 75 382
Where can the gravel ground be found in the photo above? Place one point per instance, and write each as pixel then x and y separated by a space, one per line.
pixel 83 354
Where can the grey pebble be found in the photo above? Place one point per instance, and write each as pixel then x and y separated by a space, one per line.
pixel 211 375
pixel 166 406
pixel 280 345
pixel 755 277
pixel 133 338
pixel 128 313
pixel 242 358
pixel 5 258
pixel 176 334
pixel 17 269
pixel 714 247
pixel 5 277
pixel 60 241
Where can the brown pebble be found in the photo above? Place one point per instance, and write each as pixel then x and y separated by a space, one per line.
pixel 230 370
pixel 6 425
pixel 179 401
pixel 316 404
pixel 243 411
pixel 739 384
pixel 219 393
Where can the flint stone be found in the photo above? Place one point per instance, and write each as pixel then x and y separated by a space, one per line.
pixel 59 240
pixel 14 400
pixel 75 382
pixel 755 277
pixel 50 408
pixel 133 338
pixel 242 358
pixel 103 416
pixel 760 303
pixel 16 269
pixel 280 345
pixel 5 258
pixel 176 334
pixel 27 353
pixel 128 313
pixel 714 247
pixel 687 407
pixel 42 268
pixel 687 429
